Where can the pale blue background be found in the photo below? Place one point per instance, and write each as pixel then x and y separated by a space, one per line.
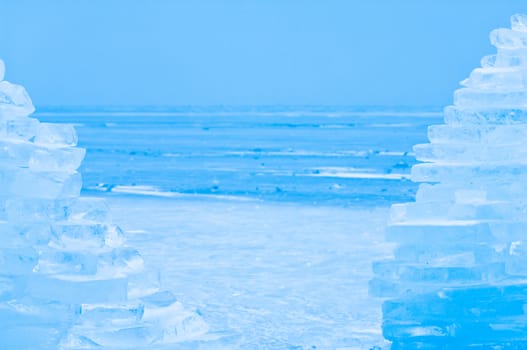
pixel 208 52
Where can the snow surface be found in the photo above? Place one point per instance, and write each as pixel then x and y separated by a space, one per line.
pixel 265 275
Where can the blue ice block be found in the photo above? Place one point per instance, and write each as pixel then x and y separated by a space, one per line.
pixel 78 289
pixel 440 233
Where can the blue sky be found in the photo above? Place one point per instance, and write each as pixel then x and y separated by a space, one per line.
pixel 240 52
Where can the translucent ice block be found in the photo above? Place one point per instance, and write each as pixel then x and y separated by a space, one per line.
pixel 508 58
pixel 53 262
pixel 79 238
pixel 26 183
pixel 21 128
pixel 120 261
pixel 28 324
pixel 488 61
pixel 482 211
pixel 144 283
pixel 508 39
pixel 31 210
pixel 56 159
pixel 519 22
pixel 497 79
pixel 478 173
pixel 441 233
pixel 56 135
pixel 130 312
pixel 485 134
pixel 14 101
pixel 26 154
pixel 459 255
pixel 85 209
pixel 470 153
pixel 479 115
pixel 486 99
pixel 18 261
pixel 442 275
pixel 466 315
pixel 111 326
pixel 436 193
pixel 77 290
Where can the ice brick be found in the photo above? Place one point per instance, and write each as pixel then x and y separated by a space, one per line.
pixel 511 58
pixel 99 314
pixel 478 210
pixel 426 273
pixel 39 159
pixel 88 209
pixel 56 135
pixel 21 128
pixel 468 315
pixel 18 261
pixel 31 210
pixel 14 101
pixel 78 290
pixel 17 313
pixel 457 173
pixel 161 323
pixel 46 184
pixel 23 182
pixel 465 116
pixel 440 234
pixel 504 38
pixel 459 255
pixel 144 283
pixel 488 61
pixel 519 22
pixel 470 153
pixel 120 261
pixel 496 79
pixel 495 135
pixel 59 159
pixel 79 238
pixel 53 262
pixel 487 99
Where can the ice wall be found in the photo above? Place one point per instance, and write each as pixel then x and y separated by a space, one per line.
pixel 68 279
pixel 458 278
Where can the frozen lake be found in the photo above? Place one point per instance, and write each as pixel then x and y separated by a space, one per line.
pixel 309 155
pixel 265 221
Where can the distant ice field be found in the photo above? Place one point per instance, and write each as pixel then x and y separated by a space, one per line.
pixel 326 156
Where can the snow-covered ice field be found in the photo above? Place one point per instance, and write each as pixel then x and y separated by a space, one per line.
pixel 264 221
pixel 265 275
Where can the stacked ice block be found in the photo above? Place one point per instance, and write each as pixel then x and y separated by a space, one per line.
pixel 67 279
pixel 458 277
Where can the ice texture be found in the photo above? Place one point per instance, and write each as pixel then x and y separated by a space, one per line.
pixel 458 275
pixel 69 280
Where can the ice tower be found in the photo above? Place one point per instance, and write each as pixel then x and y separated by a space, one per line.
pixel 68 280
pixel 458 278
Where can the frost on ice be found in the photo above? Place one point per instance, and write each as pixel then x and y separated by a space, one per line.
pixel 458 277
pixel 68 279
